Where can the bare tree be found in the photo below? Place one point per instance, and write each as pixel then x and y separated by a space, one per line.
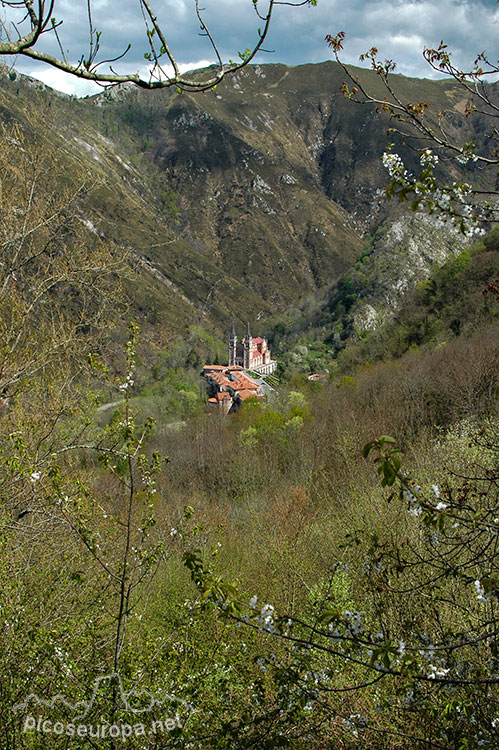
pixel 53 290
pixel 28 22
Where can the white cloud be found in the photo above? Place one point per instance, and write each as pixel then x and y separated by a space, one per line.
pixel 167 70
pixel 398 28
pixel 64 82
pixel 406 42
pixel 69 84
pixel 467 26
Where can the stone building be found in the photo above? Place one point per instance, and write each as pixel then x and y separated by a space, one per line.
pixel 229 386
pixel 252 353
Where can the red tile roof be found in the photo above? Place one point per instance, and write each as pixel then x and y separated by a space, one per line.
pixel 244 394
pixel 237 382
pixel 247 384
pixel 219 378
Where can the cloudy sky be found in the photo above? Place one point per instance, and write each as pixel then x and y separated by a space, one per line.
pixel 399 28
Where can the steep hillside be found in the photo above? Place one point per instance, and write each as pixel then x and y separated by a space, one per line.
pixel 238 202
pixel 392 301
pixel 453 302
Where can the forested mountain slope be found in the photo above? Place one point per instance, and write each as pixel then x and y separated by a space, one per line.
pixel 237 202
pixel 362 319
pixel 285 576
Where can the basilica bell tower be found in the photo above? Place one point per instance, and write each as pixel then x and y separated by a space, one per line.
pixel 247 341
pixel 232 346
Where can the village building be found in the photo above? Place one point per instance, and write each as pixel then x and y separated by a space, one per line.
pixel 229 386
pixel 252 353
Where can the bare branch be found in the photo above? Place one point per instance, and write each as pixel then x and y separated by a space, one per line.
pixel 40 18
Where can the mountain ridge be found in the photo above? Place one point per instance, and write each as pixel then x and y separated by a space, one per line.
pixel 232 203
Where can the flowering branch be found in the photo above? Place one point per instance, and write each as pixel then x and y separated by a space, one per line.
pixel 430 134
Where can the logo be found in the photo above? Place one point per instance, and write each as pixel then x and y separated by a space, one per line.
pixel 137 704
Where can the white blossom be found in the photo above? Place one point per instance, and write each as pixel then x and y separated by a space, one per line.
pixel 261 663
pixel 266 618
pixel 434 671
pixel 480 592
pixel 334 633
pixel 410 495
pixel 428 157
pixel 394 164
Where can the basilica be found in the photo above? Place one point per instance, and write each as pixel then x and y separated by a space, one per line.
pixel 249 362
pixel 252 353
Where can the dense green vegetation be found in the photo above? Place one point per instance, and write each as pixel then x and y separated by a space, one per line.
pixel 279 500
pixel 318 570
pixel 253 567
pixel 321 334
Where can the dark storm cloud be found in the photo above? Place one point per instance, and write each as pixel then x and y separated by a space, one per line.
pixel 399 28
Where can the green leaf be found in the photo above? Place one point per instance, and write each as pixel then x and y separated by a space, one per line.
pixel 245 56
pixel 396 463
pixel 328 616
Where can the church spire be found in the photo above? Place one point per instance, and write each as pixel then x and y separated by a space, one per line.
pixel 247 349
pixel 232 346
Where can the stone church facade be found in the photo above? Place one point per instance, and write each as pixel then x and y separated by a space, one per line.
pixel 252 353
